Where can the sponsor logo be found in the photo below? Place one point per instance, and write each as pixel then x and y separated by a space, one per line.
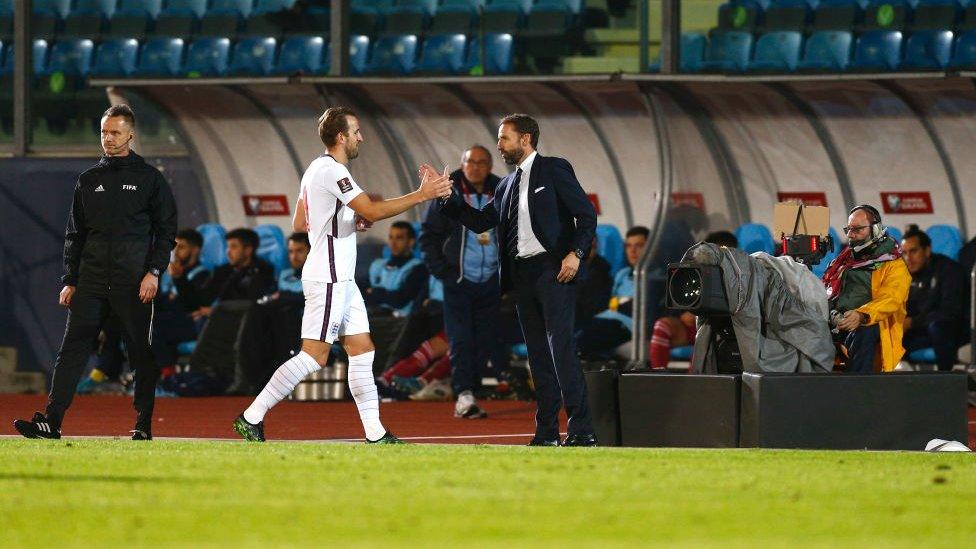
pixel 99 189
pixel 695 200
pixel 334 329
pixel 594 199
pixel 344 184
pixel 911 202
pixel 129 188
pixel 265 204
pixel 807 199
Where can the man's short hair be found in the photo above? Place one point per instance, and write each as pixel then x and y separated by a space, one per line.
pixel 191 235
pixel 406 226
pixel 124 111
pixel 333 122
pixel 480 148
pixel 638 230
pixel 246 236
pixel 914 232
pixel 300 238
pixel 722 238
pixel 524 123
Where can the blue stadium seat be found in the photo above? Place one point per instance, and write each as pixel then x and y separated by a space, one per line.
pixel 728 51
pixel 243 7
pixel 835 15
pixel 301 54
pixel 755 237
pixel 739 15
pixel 273 247
pixel 828 51
pixel 88 18
pixel 254 56
pixel 610 245
pixel 935 15
pixel 965 53
pixel 693 45
pixel 161 57
pixel 682 353
pixel 473 4
pixel 198 7
pixel 499 54
pixel 401 19
pixel 132 19
pixel 38 57
pixel 152 7
pixel 820 268
pixel 946 240
pixel 926 355
pixel 503 17
pixel 71 57
pixel 877 50
pixel 886 15
pixel 218 22
pixel 207 57
pixel 214 251
pixel 777 51
pixel 894 233
pixel 442 53
pixel 59 7
pixel 787 15
pixel 358 53
pixel 271 6
pixel 105 7
pixel 928 49
pixel 116 57
pixel 393 54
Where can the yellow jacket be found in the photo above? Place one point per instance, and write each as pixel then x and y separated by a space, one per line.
pixel 889 293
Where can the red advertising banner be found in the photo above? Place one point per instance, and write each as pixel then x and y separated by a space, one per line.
pixel 265 204
pixel 695 200
pixel 595 200
pixel 807 199
pixel 913 202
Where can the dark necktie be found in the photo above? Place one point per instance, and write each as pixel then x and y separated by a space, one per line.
pixel 511 239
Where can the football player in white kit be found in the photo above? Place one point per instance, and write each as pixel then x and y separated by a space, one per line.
pixel 330 205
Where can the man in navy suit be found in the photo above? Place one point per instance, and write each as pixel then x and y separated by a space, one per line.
pixel 545 226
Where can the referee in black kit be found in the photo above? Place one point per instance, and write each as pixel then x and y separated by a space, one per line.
pixel 119 235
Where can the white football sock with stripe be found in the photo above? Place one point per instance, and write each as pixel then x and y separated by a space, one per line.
pixel 281 384
pixel 362 385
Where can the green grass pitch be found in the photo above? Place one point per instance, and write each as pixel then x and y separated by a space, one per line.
pixel 91 492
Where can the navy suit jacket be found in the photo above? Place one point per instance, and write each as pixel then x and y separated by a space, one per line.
pixel 563 218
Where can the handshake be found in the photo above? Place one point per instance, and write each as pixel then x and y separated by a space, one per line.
pixel 434 184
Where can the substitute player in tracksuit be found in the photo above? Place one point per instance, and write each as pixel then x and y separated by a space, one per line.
pixel 118 239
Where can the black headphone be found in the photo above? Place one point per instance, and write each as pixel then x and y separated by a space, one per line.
pixel 877 228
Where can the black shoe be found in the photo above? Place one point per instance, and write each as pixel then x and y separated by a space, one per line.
pixel 387 438
pixel 139 434
pixel 249 431
pixel 580 440
pixel 37 427
pixel 536 441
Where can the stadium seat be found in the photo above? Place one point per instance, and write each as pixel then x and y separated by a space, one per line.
pixel 693 45
pixel 60 8
pixel 777 51
pixel 132 20
pixel 739 15
pixel 502 17
pixel 88 18
pixel 886 15
pixel 894 233
pixel 218 22
pixel 71 57
pixel 254 56
pixel 610 245
pixel 179 21
pixel 273 247
pixel 827 50
pixel 152 7
pixel 546 32
pixel 161 57
pixel 394 54
pixel 358 54
pixel 197 7
pixel 835 15
pixel 214 251
pixel 787 15
pixel 682 353
pixel 755 237
pixel 499 54
pixel 116 57
pixel 964 56
pixel 451 19
pixel 405 20
pixel 946 240
pixel 38 57
pixel 967 17
pixel 926 355
pixel 207 57
pixel 442 54
pixel 928 49
pixel 935 15
pixel 242 7
pixel 365 20
pixel 877 50
pixel 301 54
pixel 270 6
pixel 728 51
pixel 820 268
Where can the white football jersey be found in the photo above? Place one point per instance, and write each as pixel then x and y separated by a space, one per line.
pixel 326 188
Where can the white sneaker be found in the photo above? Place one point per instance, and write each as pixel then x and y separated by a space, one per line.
pixel 439 390
pixel 467 407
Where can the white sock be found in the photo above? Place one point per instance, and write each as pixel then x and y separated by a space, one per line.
pixel 363 389
pixel 281 384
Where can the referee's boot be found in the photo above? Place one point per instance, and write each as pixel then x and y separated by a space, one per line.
pixel 37 427
pixel 387 438
pixel 249 431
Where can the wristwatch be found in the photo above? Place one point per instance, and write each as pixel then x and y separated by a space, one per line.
pixel 579 254
pixel 154 272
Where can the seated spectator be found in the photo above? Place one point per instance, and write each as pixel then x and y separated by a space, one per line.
pixel 424 322
pixel 936 307
pixel 399 282
pixel 245 276
pixel 271 331
pixel 408 376
pixel 614 326
pixel 967 257
pixel 182 291
pixel 679 330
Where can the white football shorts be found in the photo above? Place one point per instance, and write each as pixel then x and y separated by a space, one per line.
pixel 333 309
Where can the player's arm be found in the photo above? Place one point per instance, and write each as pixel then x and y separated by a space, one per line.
pixel 431 186
pixel 298 221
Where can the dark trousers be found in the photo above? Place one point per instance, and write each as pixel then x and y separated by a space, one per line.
pixel 602 336
pixel 171 326
pixel 546 309
pixel 89 309
pixel 109 358
pixel 270 334
pixel 424 322
pixel 862 344
pixel 471 323
pixel 944 337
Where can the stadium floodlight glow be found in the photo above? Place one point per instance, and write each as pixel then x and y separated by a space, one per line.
pixel 697 288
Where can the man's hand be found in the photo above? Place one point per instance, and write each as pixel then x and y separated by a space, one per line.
pixel 434 185
pixel 362 224
pixel 908 323
pixel 148 287
pixel 176 269
pixel 851 321
pixel 568 269
pixel 65 298
pixel 200 313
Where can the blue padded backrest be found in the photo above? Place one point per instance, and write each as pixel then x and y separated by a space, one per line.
pixel 430 6
pixel 199 7
pixel 358 53
pixel 946 240
pixel 273 247
pixel 965 53
pixel 780 50
pixel 105 7
pixel 116 57
pixel 208 57
pixel 929 49
pixel 693 45
pixel 394 54
pixel 242 7
pixel 153 7
pixel 60 7
pixel 265 6
pixel 734 47
pixel 71 57
pixel 214 251
pixel 38 59
pixel 829 48
pixel 894 233
pixel 878 49
pixel 610 244
pixel 254 56
pixel 161 57
pixel 443 53
pixel 499 53
pixel 820 268
pixel 301 54
pixel 755 237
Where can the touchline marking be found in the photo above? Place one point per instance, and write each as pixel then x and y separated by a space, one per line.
pixel 234 439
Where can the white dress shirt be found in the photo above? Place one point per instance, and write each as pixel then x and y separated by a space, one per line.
pixel 528 244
